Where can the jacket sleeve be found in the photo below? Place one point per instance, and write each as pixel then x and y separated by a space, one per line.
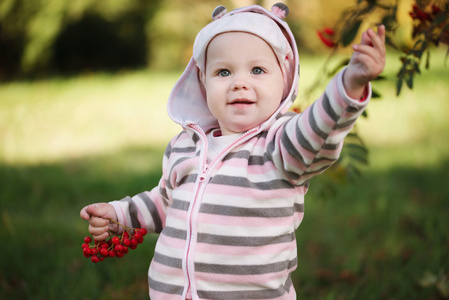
pixel 311 142
pixel 147 209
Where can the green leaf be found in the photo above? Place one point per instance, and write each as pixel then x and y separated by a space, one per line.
pixel 399 83
pixel 409 81
pixel 365 114
pixel 375 94
pixel 348 34
pixel 416 67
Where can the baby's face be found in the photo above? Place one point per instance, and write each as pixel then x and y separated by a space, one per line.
pixel 243 81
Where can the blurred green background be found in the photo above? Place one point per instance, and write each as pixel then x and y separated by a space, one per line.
pixel 83 90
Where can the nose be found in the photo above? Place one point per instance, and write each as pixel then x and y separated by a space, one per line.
pixel 239 83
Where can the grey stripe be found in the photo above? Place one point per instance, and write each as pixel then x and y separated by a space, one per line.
pixel 261 294
pixel 328 109
pixel 177 162
pixel 186 179
pixel 330 146
pixel 153 211
pixel 299 207
pixel 256 160
pixel 352 110
pixel 245 241
pixel 164 287
pixel 292 175
pixel 253 160
pixel 183 150
pixel 314 125
pixel 181 205
pixel 167 260
pixel 316 172
pixel 132 212
pixel 244 182
pixel 303 141
pixel 321 159
pixel 164 196
pixel 167 150
pixel 223 210
pixel 175 233
pixel 345 124
pixel 245 269
pixel 168 184
pixel 293 151
pixel 195 138
pixel 239 154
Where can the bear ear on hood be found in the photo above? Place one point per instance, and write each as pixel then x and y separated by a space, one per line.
pixel 280 9
pixel 219 12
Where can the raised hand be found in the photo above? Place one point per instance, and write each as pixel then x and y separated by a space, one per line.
pixel 367 62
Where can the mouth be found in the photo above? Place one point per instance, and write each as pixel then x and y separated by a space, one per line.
pixel 241 102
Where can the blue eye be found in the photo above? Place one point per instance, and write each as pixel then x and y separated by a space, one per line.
pixel 223 73
pixel 258 71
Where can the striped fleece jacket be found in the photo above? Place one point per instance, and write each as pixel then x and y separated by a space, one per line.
pixel 227 227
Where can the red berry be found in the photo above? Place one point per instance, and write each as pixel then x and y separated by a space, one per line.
pixel 138 235
pixel 87 252
pixel 120 254
pixel 143 231
pixel 87 239
pixel 116 240
pixel 104 252
pixel 85 245
pixel 94 259
pixel 119 248
pixel 112 253
pixel 127 242
pixel 134 242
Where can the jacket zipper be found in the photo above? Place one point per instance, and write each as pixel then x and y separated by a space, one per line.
pixel 202 178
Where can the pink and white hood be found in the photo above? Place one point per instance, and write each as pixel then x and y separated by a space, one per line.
pixel 187 102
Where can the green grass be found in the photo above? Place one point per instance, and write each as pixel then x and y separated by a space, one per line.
pixel 68 142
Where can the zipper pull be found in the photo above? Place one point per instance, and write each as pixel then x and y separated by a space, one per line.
pixel 203 173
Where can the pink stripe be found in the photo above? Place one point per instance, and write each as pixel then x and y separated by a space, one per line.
pixel 259 279
pixel 171 242
pixel 242 221
pixel 236 191
pixel 242 251
pixel 155 295
pixel 178 214
pixel 163 269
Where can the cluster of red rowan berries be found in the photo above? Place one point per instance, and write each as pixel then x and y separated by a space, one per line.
pixel 114 245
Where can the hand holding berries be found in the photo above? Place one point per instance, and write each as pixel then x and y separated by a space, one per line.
pixel 113 245
pixel 102 219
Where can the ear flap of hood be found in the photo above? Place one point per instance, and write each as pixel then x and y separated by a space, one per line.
pixel 187 102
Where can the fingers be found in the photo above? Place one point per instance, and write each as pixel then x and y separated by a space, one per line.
pixel 371 39
pixel 98 216
pixel 98 227
pixel 84 214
